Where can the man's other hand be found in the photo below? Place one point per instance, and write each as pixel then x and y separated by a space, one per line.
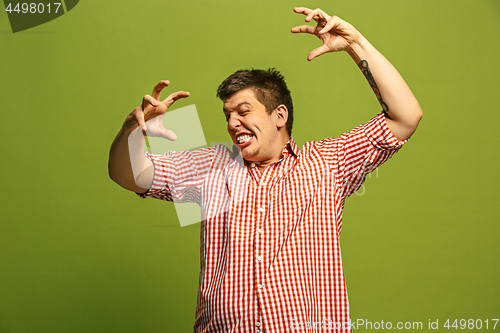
pixel 335 34
pixel 149 115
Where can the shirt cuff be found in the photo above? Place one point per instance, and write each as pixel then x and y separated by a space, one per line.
pixel 160 175
pixel 380 135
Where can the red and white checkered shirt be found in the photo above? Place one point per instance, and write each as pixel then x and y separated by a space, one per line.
pixel 270 254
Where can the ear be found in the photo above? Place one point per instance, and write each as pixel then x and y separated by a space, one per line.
pixel 281 116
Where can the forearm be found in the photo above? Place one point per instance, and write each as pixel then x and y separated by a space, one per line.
pixel 398 102
pixel 128 166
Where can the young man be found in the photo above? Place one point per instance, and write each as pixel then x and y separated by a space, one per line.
pixel 270 253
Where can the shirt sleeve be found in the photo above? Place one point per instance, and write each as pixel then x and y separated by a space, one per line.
pixel 179 176
pixel 355 154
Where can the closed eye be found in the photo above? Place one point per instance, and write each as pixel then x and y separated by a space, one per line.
pixel 240 113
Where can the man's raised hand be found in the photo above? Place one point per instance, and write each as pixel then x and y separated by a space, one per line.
pixel 335 34
pixel 149 115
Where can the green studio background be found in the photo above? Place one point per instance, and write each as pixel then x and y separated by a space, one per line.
pixel 80 254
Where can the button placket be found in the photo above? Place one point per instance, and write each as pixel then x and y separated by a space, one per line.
pixel 261 207
pixel 260 211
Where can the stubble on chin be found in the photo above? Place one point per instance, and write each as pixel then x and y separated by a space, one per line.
pixel 249 154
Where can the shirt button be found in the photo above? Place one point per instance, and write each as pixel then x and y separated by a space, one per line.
pixel 260 210
pixel 257 324
pixel 259 258
pixel 260 286
pixel 252 165
pixel 257 331
pixel 259 230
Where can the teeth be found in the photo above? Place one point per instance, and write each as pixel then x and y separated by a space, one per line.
pixel 244 138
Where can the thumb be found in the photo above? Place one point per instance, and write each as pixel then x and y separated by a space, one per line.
pixel 317 52
pixel 168 134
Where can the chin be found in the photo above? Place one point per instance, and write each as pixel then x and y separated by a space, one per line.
pixel 250 155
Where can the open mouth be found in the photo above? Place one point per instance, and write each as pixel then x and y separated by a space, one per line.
pixel 244 139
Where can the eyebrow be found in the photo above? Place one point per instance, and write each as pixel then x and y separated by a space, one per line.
pixel 237 106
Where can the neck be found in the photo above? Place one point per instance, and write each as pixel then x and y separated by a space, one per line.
pixel 277 153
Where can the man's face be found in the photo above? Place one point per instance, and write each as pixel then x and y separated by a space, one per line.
pixel 251 128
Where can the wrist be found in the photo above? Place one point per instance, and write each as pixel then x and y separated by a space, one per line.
pixel 357 49
pixel 129 125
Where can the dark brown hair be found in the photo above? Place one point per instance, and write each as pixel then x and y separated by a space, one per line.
pixel 269 87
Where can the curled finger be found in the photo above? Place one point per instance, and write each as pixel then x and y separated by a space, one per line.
pixel 333 23
pixel 138 114
pixel 318 15
pixel 159 87
pixel 174 97
pixel 304 29
pixel 147 101
pixel 302 10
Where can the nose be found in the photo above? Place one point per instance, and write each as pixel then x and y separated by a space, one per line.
pixel 234 121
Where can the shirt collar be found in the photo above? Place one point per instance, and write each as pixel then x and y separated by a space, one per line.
pixel 291 148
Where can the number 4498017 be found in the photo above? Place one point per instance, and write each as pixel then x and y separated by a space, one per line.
pixel 470 323
pixel 32 8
